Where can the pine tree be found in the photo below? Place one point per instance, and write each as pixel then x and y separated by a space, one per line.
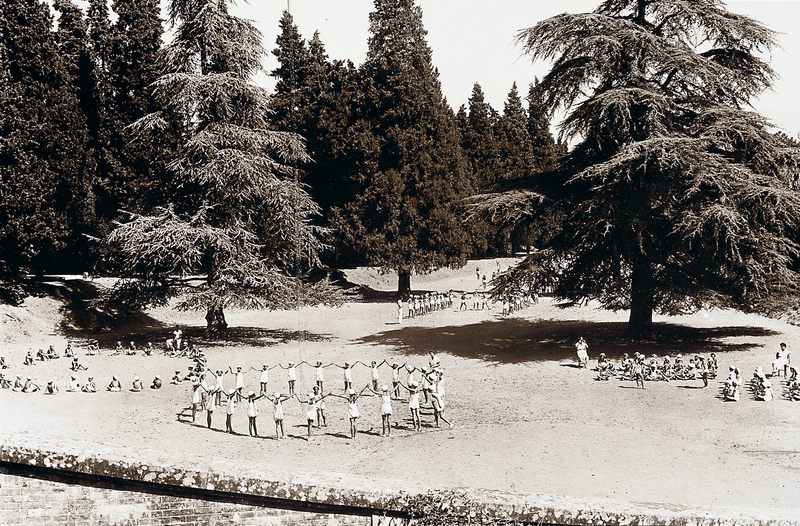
pixel 241 219
pixel 99 28
pixel 514 142
pixel 408 170
pixel 479 141
pixel 290 113
pixel 42 152
pixel 476 125
pixel 546 152
pixel 674 198
pixel 314 98
pixel 134 170
pixel 74 45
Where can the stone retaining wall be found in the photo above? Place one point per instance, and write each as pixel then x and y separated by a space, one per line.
pixel 216 479
pixel 27 501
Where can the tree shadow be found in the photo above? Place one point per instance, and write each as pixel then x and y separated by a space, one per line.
pixel 82 319
pixel 364 294
pixel 518 340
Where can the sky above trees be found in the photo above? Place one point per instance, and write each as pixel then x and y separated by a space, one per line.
pixel 473 41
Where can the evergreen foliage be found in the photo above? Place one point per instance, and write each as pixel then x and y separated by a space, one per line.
pixel 43 162
pixel 314 98
pixel 407 171
pixel 239 217
pixel 133 171
pixel 73 42
pixel 674 197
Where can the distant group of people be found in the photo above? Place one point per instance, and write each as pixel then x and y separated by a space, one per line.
pixel 422 304
pixel 641 369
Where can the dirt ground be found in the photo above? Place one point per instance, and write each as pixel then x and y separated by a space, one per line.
pixel 525 418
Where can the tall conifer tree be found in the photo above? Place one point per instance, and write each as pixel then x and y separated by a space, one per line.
pixel 675 197
pixel 240 219
pixel 135 170
pixel 42 154
pixel 546 152
pixel 410 175
pixel 514 141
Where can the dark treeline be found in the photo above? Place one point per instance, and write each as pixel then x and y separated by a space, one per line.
pixel 390 167
pixel 68 163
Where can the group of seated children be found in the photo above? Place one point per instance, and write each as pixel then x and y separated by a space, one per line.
pixel 651 370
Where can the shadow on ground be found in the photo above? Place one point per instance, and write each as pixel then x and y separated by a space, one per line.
pixel 517 341
pixel 83 320
pixel 364 294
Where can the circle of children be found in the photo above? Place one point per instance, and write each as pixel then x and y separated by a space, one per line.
pixel 209 392
pixel 642 369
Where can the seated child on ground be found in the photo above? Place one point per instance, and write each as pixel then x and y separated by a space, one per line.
pixel 114 386
pixel 29 386
pixel 89 386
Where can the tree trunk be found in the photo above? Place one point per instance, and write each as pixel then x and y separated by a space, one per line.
pixel 216 325
pixel 640 323
pixel 403 281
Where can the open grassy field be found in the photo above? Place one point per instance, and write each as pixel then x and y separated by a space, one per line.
pixel 525 418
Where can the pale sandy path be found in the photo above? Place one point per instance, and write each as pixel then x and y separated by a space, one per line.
pixel 522 424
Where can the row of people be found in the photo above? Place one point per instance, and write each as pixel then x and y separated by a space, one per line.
pixel 421 304
pixel 319 373
pixel 516 302
pixel 653 370
pixel 90 386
